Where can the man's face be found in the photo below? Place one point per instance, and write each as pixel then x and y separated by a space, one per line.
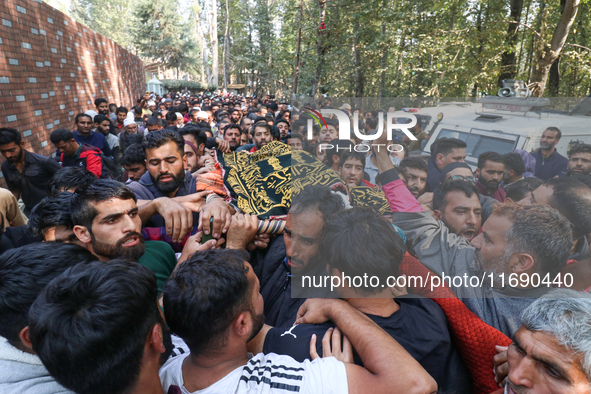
pixel 352 172
pixel 168 104
pixel 456 155
pixel 542 195
pixel 257 304
pixel 121 117
pixel 328 134
pixel 116 230
pixel 235 117
pixel 415 180
pixel 103 108
pixel 283 129
pixel 549 139
pixel 539 364
pixel 492 254
pixel 103 127
pixel 579 164
pixel 166 166
pixel 12 152
pixel 135 171
pixel 296 143
pixel 68 148
pixel 466 174
pixel 461 215
pixel 302 237
pixel 243 139
pixel 191 155
pixel 321 153
pixel 246 123
pixel 84 125
pixel 262 137
pixel 233 138
pixel 491 174
pixel 131 128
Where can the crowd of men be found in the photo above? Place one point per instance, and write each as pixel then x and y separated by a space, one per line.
pixel 125 267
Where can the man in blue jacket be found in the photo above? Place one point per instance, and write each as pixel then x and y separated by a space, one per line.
pixel 549 163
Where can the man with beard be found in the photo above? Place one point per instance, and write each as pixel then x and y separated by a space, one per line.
pixel 98 328
pixel 490 172
pixel 213 303
pixel 167 193
pixel 456 204
pixel 262 135
pixel 516 239
pixel 107 221
pixel 102 106
pixel 514 168
pixel 549 163
pixel 579 160
pixel 235 116
pixel 27 174
pixel 550 352
pixel 414 171
pixel 351 168
pixel 231 133
pixel 195 141
pixel 84 134
pixel 102 125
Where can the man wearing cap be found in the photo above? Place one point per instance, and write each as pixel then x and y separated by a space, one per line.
pixel 346 108
pixel 151 107
pixel 130 129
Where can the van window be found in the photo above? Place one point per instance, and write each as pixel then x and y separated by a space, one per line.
pixel 479 143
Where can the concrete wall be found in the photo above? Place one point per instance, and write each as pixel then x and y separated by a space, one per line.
pixel 52 68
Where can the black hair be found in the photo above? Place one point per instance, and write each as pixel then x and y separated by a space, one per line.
pixel 137 111
pixel 489 156
pixel 121 110
pixel 275 133
pixel 182 108
pixel 516 191
pixel 8 135
pixel 171 116
pixel 447 186
pixel 556 130
pixel 445 146
pixel 158 138
pixel 413 162
pixel 101 118
pixel 81 115
pixel 69 178
pixel 573 200
pixel 24 272
pixel 99 101
pixel 513 161
pixel 153 121
pixel 349 234
pixel 85 197
pixel 297 136
pixel 112 107
pixel 52 211
pixel 337 147
pixel 579 148
pixel 61 135
pixel 196 132
pixel 281 120
pixel 232 126
pixel 352 155
pixel 264 125
pixel 318 197
pixel 89 326
pixel 134 154
pixel 204 295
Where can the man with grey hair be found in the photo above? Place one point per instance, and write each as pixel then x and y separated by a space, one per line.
pixel 551 351
pixel 514 260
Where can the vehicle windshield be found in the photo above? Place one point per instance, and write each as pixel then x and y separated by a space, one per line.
pixel 478 143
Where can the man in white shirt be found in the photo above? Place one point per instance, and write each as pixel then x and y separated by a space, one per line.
pixel 213 303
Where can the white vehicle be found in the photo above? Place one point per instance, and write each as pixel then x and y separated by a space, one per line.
pixel 502 124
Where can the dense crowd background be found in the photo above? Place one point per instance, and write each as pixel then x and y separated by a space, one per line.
pixel 131 264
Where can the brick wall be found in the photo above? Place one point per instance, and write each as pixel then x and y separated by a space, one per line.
pixel 52 68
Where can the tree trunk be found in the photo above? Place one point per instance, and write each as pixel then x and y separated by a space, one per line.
pixel 508 63
pixel 553 50
pixel 319 50
pixel 359 83
pixel 213 39
pixel 297 65
pixel 227 49
pixel 383 63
